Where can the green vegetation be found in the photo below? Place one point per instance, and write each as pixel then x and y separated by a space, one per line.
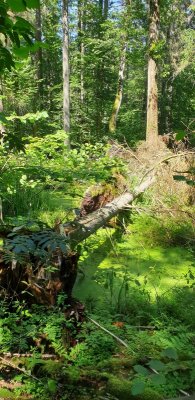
pixel 97 301
pixel 136 281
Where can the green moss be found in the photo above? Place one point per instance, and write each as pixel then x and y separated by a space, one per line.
pixel 117 363
pixel 121 388
pixel 102 188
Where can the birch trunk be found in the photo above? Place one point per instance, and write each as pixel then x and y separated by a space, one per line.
pixel 66 85
pixel 152 93
pixel 43 287
pixel 119 94
pixel 81 229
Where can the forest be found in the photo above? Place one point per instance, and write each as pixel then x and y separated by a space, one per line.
pixel 97 200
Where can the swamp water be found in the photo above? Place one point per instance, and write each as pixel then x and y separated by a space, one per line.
pixel 112 263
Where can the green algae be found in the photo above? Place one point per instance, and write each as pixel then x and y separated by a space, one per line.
pixel 164 268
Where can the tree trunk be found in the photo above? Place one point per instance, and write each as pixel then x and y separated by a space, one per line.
pixel 81 46
pixel 2 127
pixel 32 281
pixel 66 84
pixel 119 94
pixel 106 6
pixel 39 53
pixel 152 94
pixel 81 229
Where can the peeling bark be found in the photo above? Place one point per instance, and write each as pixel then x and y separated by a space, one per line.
pixel 119 94
pixel 79 230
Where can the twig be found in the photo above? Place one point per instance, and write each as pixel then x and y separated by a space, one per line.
pixel 142 327
pixel 110 333
pixel 185 393
pixel 10 364
pixel 42 356
pixel 166 159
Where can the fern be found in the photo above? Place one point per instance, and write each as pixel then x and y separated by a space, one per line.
pixel 54 332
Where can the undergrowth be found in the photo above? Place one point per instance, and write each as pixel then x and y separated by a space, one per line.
pixel 159 335
pixel 157 329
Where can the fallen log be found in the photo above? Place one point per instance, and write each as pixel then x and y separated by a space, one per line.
pixel 28 276
pixel 81 229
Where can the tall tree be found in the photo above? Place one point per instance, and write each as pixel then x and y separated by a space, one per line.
pixel 65 62
pixel 2 127
pixel 119 93
pixel 176 60
pixel 81 7
pixel 39 53
pixel 152 92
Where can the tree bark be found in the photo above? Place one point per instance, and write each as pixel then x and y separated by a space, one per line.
pixel 81 46
pixel 106 7
pixel 119 94
pixel 33 282
pixel 39 54
pixel 2 127
pixel 66 84
pixel 81 229
pixel 152 94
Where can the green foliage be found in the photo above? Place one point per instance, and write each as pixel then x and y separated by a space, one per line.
pixel 164 231
pixel 37 181
pixel 14 28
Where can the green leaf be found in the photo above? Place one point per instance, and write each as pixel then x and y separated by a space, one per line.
pixel 21 23
pixel 32 3
pixel 190 182
pixel 17 5
pixel 171 353
pixel 180 135
pixel 16 39
pixel 158 379
pixel 156 364
pixel 137 388
pixel 3 118
pixel 179 178
pixel 27 38
pixel 21 52
pixel 52 385
pixel 141 370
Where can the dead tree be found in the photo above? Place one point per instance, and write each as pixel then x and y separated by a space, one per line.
pixel 31 277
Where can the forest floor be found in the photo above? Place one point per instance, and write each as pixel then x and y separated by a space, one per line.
pixel 135 280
